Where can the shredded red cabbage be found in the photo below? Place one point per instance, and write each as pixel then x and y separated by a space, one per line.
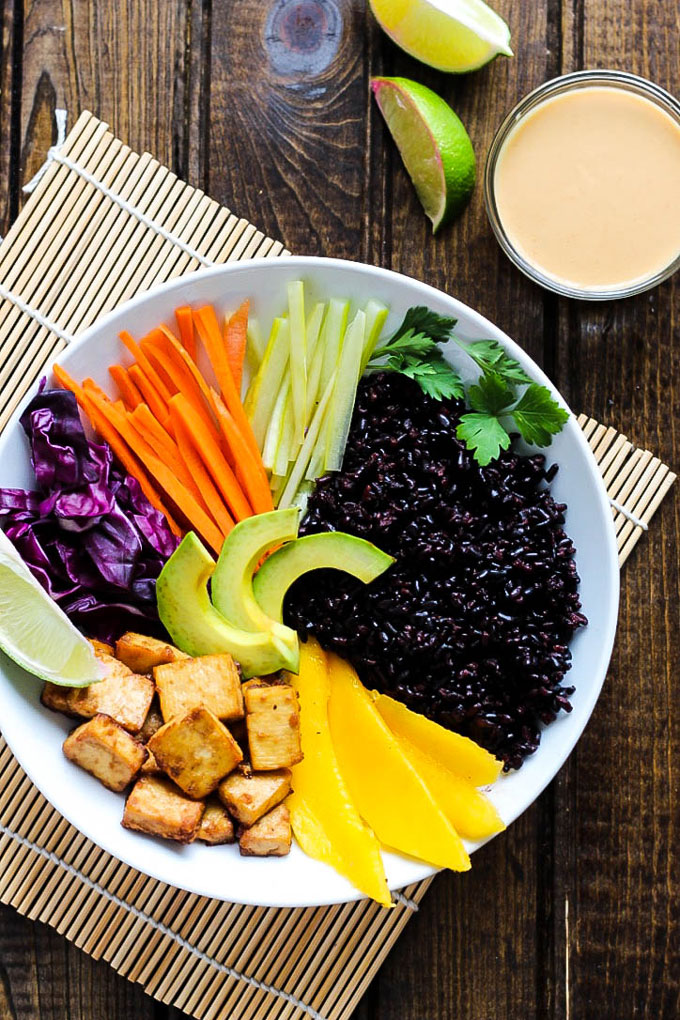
pixel 88 534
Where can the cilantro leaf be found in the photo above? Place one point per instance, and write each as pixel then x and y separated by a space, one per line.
pixel 484 435
pixel 491 395
pixel 437 379
pixel 537 416
pixel 407 343
pixel 491 356
pixel 421 319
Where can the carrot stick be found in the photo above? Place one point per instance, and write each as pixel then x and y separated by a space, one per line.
pixel 149 392
pixel 185 324
pixel 165 447
pixel 91 385
pixel 146 366
pixel 173 488
pixel 209 332
pixel 157 361
pixel 127 389
pixel 235 336
pixel 184 379
pixel 195 466
pixel 129 461
pixel 249 470
pixel 213 458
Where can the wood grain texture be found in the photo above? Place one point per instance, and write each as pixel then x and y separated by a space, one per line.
pixel 574 912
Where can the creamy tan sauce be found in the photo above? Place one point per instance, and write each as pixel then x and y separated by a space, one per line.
pixel 588 188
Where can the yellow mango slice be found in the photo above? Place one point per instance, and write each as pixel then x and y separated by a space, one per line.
pixel 325 821
pixel 472 815
pixel 459 754
pixel 384 785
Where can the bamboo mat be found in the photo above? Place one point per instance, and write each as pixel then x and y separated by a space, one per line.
pixel 104 224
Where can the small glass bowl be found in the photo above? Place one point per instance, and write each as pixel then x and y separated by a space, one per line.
pixel 557 86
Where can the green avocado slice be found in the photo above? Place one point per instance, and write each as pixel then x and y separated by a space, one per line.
pixel 244 547
pixel 197 628
pixel 332 549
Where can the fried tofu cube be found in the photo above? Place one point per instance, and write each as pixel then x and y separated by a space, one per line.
pixel 248 795
pixel 141 653
pixel 210 681
pixel 107 751
pixel 101 647
pixel 58 698
pixel 125 696
pixel 157 807
pixel 151 766
pixel 152 723
pixel 273 721
pixel 216 825
pixel 196 750
pixel 271 836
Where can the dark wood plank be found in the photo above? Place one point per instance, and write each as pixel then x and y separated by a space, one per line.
pixel 616 846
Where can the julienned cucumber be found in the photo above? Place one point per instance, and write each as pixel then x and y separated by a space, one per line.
pixel 331 550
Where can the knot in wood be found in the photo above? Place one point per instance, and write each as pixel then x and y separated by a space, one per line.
pixel 303 36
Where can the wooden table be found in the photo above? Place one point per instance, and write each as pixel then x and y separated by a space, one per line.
pixel 265 104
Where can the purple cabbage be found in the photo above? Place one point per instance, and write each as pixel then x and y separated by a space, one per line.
pixel 88 534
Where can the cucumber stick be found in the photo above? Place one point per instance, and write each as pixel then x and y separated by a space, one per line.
pixel 344 391
pixel 375 320
pixel 298 356
pixel 305 454
pixel 265 386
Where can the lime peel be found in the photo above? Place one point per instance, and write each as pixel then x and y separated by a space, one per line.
pixel 36 633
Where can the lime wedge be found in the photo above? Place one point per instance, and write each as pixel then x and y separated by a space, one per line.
pixel 434 145
pixel 451 35
pixel 36 633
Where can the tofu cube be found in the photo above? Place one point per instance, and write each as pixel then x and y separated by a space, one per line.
pixel 210 681
pixel 142 653
pixel 58 698
pixel 248 795
pixel 157 807
pixel 101 647
pixel 216 825
pixel 151 766
pixel 273 721
pixel 269 837
pixel 196 750
pixel 152 723
pixel 106 751
pixel 125 696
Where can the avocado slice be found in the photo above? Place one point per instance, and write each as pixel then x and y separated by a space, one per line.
pixel 332 549
pixel 197 628
pixel 232 583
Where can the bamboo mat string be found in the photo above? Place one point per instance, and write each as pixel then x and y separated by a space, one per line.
pixel 629 514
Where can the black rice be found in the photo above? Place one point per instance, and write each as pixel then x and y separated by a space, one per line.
pixel 471 626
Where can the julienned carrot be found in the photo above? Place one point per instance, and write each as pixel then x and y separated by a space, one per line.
pixel 145 365
pixel 173 488
pixel 130 462
pixel 249 470
pixel 209 331
pixel 165 447
pixel 197 469
pixel 151 395
pixel 127 389
pixel 185 325
pixel 157 362
pixel 235 337
pixel 213 458
pixel 184 379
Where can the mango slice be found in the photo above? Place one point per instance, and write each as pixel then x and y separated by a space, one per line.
pixel 325 821
pixel 459 754
pixel 387 790
pixel 472 815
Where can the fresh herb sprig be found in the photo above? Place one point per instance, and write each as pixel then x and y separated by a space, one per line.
pixel 496 408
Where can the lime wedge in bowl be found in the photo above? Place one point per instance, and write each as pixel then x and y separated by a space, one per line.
pixel 36 633
pixel 434 145
pixel 451 35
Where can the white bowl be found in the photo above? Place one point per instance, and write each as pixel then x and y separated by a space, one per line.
pixel 35 734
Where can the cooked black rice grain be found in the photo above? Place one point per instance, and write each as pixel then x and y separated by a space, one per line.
pixel 471 626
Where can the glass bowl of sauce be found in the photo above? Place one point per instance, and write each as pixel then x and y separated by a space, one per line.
pixel 582 185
